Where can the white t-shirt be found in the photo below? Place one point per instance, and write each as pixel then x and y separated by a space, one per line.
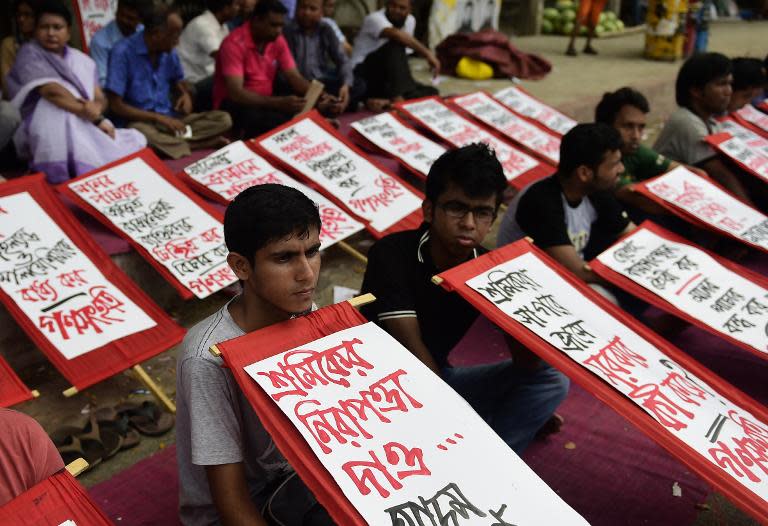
pixel 202 36
pixel 369 38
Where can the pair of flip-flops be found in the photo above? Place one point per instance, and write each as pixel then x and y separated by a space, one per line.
pixel 89 441
pixel 146 418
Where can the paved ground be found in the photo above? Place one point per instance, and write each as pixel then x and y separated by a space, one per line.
pixel 574 85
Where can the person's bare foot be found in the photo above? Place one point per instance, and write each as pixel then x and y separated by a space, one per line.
pixel 377 105
pixel 589 50
pixel 551 426
pixel 571 51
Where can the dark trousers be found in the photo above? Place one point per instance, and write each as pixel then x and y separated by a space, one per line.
pixel 249 122
pixel 387 75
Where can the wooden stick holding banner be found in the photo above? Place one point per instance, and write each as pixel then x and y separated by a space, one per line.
pixel 77 466
pixel 352 251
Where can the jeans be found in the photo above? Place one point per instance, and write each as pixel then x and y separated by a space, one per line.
pixel 515 402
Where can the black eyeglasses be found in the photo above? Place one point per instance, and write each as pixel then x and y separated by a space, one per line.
pixel 459 210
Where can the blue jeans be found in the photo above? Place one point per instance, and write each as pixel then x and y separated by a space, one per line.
pixel 515 402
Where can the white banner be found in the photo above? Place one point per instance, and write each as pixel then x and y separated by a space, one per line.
pixel 236 167
pixel 401 444
pixel 459 131
pixel 710 204
pixel 527 290
pixel 528 106
pixel 753 140
pixel 483 107
pixel 177 233
pixel 447 17
pixel 58 287
pixel 695 283
pixel 95 14
pixel 395 138
pixel 367 191
pixel 741 152
pixel 754 116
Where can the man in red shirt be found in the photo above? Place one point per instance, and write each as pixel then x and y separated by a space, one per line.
pixel 27 455
pixel 246 66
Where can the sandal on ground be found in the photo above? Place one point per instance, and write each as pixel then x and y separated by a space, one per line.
pixel 91 437
pixel 147 418
pixel 551 426
pixel 70 448
pixel 109 418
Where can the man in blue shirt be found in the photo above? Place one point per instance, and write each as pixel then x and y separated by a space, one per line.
pixel 144 69
pixel 127 22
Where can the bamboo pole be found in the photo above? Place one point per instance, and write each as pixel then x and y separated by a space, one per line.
pixel 156 389
pixel 349 249
pixel 77 466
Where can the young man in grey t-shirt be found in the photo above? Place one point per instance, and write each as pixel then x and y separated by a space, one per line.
pixel 229 468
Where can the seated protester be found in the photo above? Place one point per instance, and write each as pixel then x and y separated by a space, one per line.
pixel 143 69
pixel 702 91
pixel 319 55
pixel 246 10
pixel 63 131
pixel 379 56
pixel 23 31
pixel 127 21
pixel 749 82
pixel 626 109
pixel 464 189
pixel 329 8
pixel 246 66
pixel 199 44
pixel 27 455
pixel 9 121
pixel 573 214
pixel 229 467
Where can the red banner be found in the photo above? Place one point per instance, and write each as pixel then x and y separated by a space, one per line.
pixel 313 150
pixel 523 103
pixel 86 360
pixel 752 118
pixel 690 276
pixel 59 500
pixel 171 227
pixel 712 427
pixel 737 150
pixel 276 339
pixel 12 389
pixel 433 114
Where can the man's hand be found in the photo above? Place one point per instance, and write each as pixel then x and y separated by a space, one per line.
pixel 289 104
pixel 344 97
pixel 434 64
pixel 174 125
pixel 91 110
pixel 183 104
pixel 107 127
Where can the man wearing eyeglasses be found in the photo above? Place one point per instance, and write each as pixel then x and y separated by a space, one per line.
pixel 463 192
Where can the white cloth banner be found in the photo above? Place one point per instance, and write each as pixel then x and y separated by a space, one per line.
pixel 401 444
pixel 528 106
pixel 708 203
pixel 95 14
pixel 447 17
pixel 321 157
pixel 754 116
pixel 58 287
pixel 695 283
pixel 741 152
pixel 530 292
pixel 395 138
pixel 177 233
pixel 236 167
pixel 483 107
pixel 459 131
pixel 753 140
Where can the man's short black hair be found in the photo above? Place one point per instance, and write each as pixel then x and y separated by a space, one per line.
pixel 265 213
pixel 140 6
pixel 748 73
pixel 474 168
pixel 214 6
pixel 156 17
pixel 264 7
pixel 609 107
pixel 586 145
pixel 697 72
pixel 52 7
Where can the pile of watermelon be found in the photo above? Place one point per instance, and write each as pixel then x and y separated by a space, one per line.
pixel 559 20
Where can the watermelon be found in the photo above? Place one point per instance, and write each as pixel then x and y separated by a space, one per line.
pixel 547 27
pixel 550 13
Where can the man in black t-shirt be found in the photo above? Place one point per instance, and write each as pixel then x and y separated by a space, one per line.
pixel 574 215
pixel 463 192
